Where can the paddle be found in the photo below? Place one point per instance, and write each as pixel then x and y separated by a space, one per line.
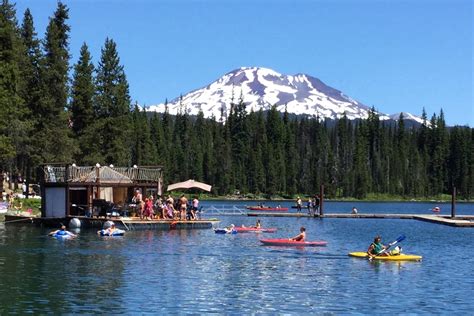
pixel 399 239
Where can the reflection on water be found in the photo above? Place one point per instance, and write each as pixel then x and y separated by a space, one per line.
pixel 197 271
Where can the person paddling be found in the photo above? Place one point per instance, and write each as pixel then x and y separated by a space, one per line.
pixel 61 232
pixel 301 236
pixel 376 248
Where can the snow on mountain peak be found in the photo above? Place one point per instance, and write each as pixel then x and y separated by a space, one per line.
pixel 261 88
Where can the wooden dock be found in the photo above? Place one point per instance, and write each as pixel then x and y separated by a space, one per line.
pixel 333 215
pixel 459 221
pixel 128 223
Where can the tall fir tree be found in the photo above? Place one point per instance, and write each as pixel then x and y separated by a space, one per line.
pixel 82 107
pixel 14 124
pixel 143 149
pixel 112 108
pixel 361 175
pixel 31 91
pixel 54 133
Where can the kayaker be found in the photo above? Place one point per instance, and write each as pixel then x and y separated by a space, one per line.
pixel 61 232
pixel 301 236
pixel 258 224
pixel 376 248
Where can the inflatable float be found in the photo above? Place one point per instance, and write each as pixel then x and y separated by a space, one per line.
pixel 117 232
pixel 224 231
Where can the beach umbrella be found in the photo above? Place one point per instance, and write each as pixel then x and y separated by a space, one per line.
pixel 189 184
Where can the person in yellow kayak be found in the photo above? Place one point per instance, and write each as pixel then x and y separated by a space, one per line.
pixel 377 248
pixel 301 236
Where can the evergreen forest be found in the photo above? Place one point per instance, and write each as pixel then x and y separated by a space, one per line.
pixel 54 111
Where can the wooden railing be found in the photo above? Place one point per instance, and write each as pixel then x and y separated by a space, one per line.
pixel 53 173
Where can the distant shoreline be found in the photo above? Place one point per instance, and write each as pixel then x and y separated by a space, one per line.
pixel 235 198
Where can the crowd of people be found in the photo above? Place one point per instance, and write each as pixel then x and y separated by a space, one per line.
pixel 165 207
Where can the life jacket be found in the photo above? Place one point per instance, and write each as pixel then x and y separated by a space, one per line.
pixel 377 248
pixel 61 233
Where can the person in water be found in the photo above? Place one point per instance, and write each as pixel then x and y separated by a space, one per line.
pixel 301 236
pixel 230 229
pixel 61 232
pixel 108 231
pixel 377 248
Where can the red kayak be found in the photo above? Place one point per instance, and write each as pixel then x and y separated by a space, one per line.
pixel 254 229
pixel 287 242
pixel 268 209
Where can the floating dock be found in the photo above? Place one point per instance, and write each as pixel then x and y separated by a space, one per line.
pixel 135 223
pixel 458 221
pixel 128 223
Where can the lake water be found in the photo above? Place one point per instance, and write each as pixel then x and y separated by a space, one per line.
pixel 198 271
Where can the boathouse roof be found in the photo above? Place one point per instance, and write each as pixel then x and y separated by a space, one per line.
pixel 72 174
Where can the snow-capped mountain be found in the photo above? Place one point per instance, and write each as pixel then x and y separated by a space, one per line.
pixel 407 116
pixel 261 88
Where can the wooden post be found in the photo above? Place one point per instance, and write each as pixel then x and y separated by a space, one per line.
pixel 66 180
pixel 321 200
pixel 453 203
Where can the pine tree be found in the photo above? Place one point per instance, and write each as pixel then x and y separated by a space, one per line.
pixel 54 134
pixel 82 107
pixel 31 88
pixel 143 149
pixel 343 156
pixel 112 108
pixel 157 138
pixel 361 174
pixel 13 113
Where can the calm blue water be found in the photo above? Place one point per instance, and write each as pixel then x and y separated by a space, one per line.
pixel 201 272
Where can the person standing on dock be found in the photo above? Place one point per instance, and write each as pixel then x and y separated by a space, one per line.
pixel 298 204
pixel 183 204
pixel 317 204
pixel 194 208
pixel 309 204
pixel 138 200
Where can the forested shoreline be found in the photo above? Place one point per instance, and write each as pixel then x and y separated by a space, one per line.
pixel 52 111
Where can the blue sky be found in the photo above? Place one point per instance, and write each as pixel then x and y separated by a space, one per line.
pixel 399 55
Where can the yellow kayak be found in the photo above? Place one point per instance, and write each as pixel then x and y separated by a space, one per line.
pixel 400 257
